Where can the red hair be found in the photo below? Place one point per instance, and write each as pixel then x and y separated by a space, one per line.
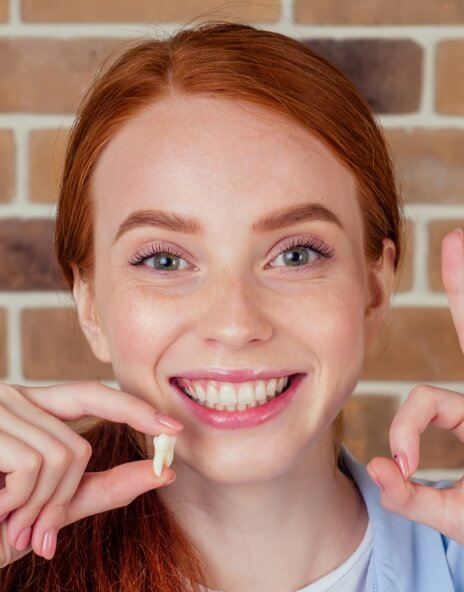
pixel 140 546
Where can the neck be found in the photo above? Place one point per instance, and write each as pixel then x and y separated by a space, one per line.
pixel 271 535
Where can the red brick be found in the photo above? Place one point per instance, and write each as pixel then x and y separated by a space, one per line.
pixel 388 72
pixel 7 165
pixel 437 230
pixel 368 418
pixel 4 10
pixel 404 280
pixel 50 75
pixel 450 77
pixel 429 163
pixel 46 157
pixel 27 255
pixel 55 11
pixel 379 12
pixel 367 421
pixel 55 348
pixel 418 344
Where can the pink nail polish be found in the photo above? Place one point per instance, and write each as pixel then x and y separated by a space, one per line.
pixel 169 422
pixel 402 462
pixel 23 538
pixel 49 543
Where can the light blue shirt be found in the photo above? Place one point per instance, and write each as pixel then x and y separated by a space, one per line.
pixel 407 556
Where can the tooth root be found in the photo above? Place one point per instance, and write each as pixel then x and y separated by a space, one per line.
pixel 158 464
pixel 169 457
pixel 163 452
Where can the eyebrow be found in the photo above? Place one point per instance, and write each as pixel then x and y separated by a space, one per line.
pixel 273 221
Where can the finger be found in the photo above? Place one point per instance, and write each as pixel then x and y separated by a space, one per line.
pixel 426 405
pixel 72 401
pixel 54 460
pixel 53 513
pixel 431 506
pixel 21 463
pixel 114 488
pixel 452 255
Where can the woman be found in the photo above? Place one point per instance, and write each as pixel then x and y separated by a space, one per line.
pixel 228 214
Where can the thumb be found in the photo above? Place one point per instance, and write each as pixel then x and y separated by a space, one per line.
pixel 396 491
pixel 106 490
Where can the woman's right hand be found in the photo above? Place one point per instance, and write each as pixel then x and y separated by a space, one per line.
pixel 44 461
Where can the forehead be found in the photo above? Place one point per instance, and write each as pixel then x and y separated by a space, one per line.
pixel 213 158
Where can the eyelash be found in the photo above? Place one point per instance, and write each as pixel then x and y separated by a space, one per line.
pixel 312 243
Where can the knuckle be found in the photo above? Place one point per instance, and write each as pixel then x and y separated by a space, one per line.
pixel 32 461
pixel 83 449
pixel 59 456
pixel 418 390
pixel 53 513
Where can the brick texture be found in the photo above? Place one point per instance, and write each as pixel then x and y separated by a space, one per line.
pixel 450 77
pixel 404 275
pixel 429 163
pixel 367 421
pixel 367 426
pixel 437 230
pixel 55 348
pixel 418 343
pixel 30 68
pixel 48 75
pixel 387 72
pixel 55 11
pixel 379 12
pixel 3 343
pixel 28 262
pixel 46 157
pixel 4 11
pixel 7 165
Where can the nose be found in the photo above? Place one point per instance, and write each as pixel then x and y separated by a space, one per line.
pixel 233 314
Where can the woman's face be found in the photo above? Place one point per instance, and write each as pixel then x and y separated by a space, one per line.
pixel 229 296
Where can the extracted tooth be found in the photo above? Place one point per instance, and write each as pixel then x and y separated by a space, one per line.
pixel 164 452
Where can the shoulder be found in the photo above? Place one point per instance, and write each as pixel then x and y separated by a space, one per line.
pixel 453 550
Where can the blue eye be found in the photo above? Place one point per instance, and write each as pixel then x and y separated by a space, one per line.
pixel 299 246
pixel 161 255
pixel 166 259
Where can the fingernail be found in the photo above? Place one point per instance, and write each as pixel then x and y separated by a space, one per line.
pixel 22 539
pixel 169 422
pixel 375 478
pixel 49 543
pixel 459 231
pixel 402 462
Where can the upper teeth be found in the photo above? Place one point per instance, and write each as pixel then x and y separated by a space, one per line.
pixel 164 452
pixel 229 393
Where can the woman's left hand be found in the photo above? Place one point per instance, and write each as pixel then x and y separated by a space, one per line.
pixel 441 509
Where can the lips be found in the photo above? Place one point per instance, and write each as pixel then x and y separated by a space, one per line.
pixel 247 418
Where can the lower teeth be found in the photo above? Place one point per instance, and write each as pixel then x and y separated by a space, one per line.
pixel 223 407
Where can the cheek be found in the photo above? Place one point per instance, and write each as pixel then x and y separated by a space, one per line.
pixel 328 319
pixel 141 328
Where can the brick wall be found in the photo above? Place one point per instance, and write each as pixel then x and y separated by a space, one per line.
pixel 408 62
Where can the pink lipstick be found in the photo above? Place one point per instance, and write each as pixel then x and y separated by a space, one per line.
pixel 254 416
